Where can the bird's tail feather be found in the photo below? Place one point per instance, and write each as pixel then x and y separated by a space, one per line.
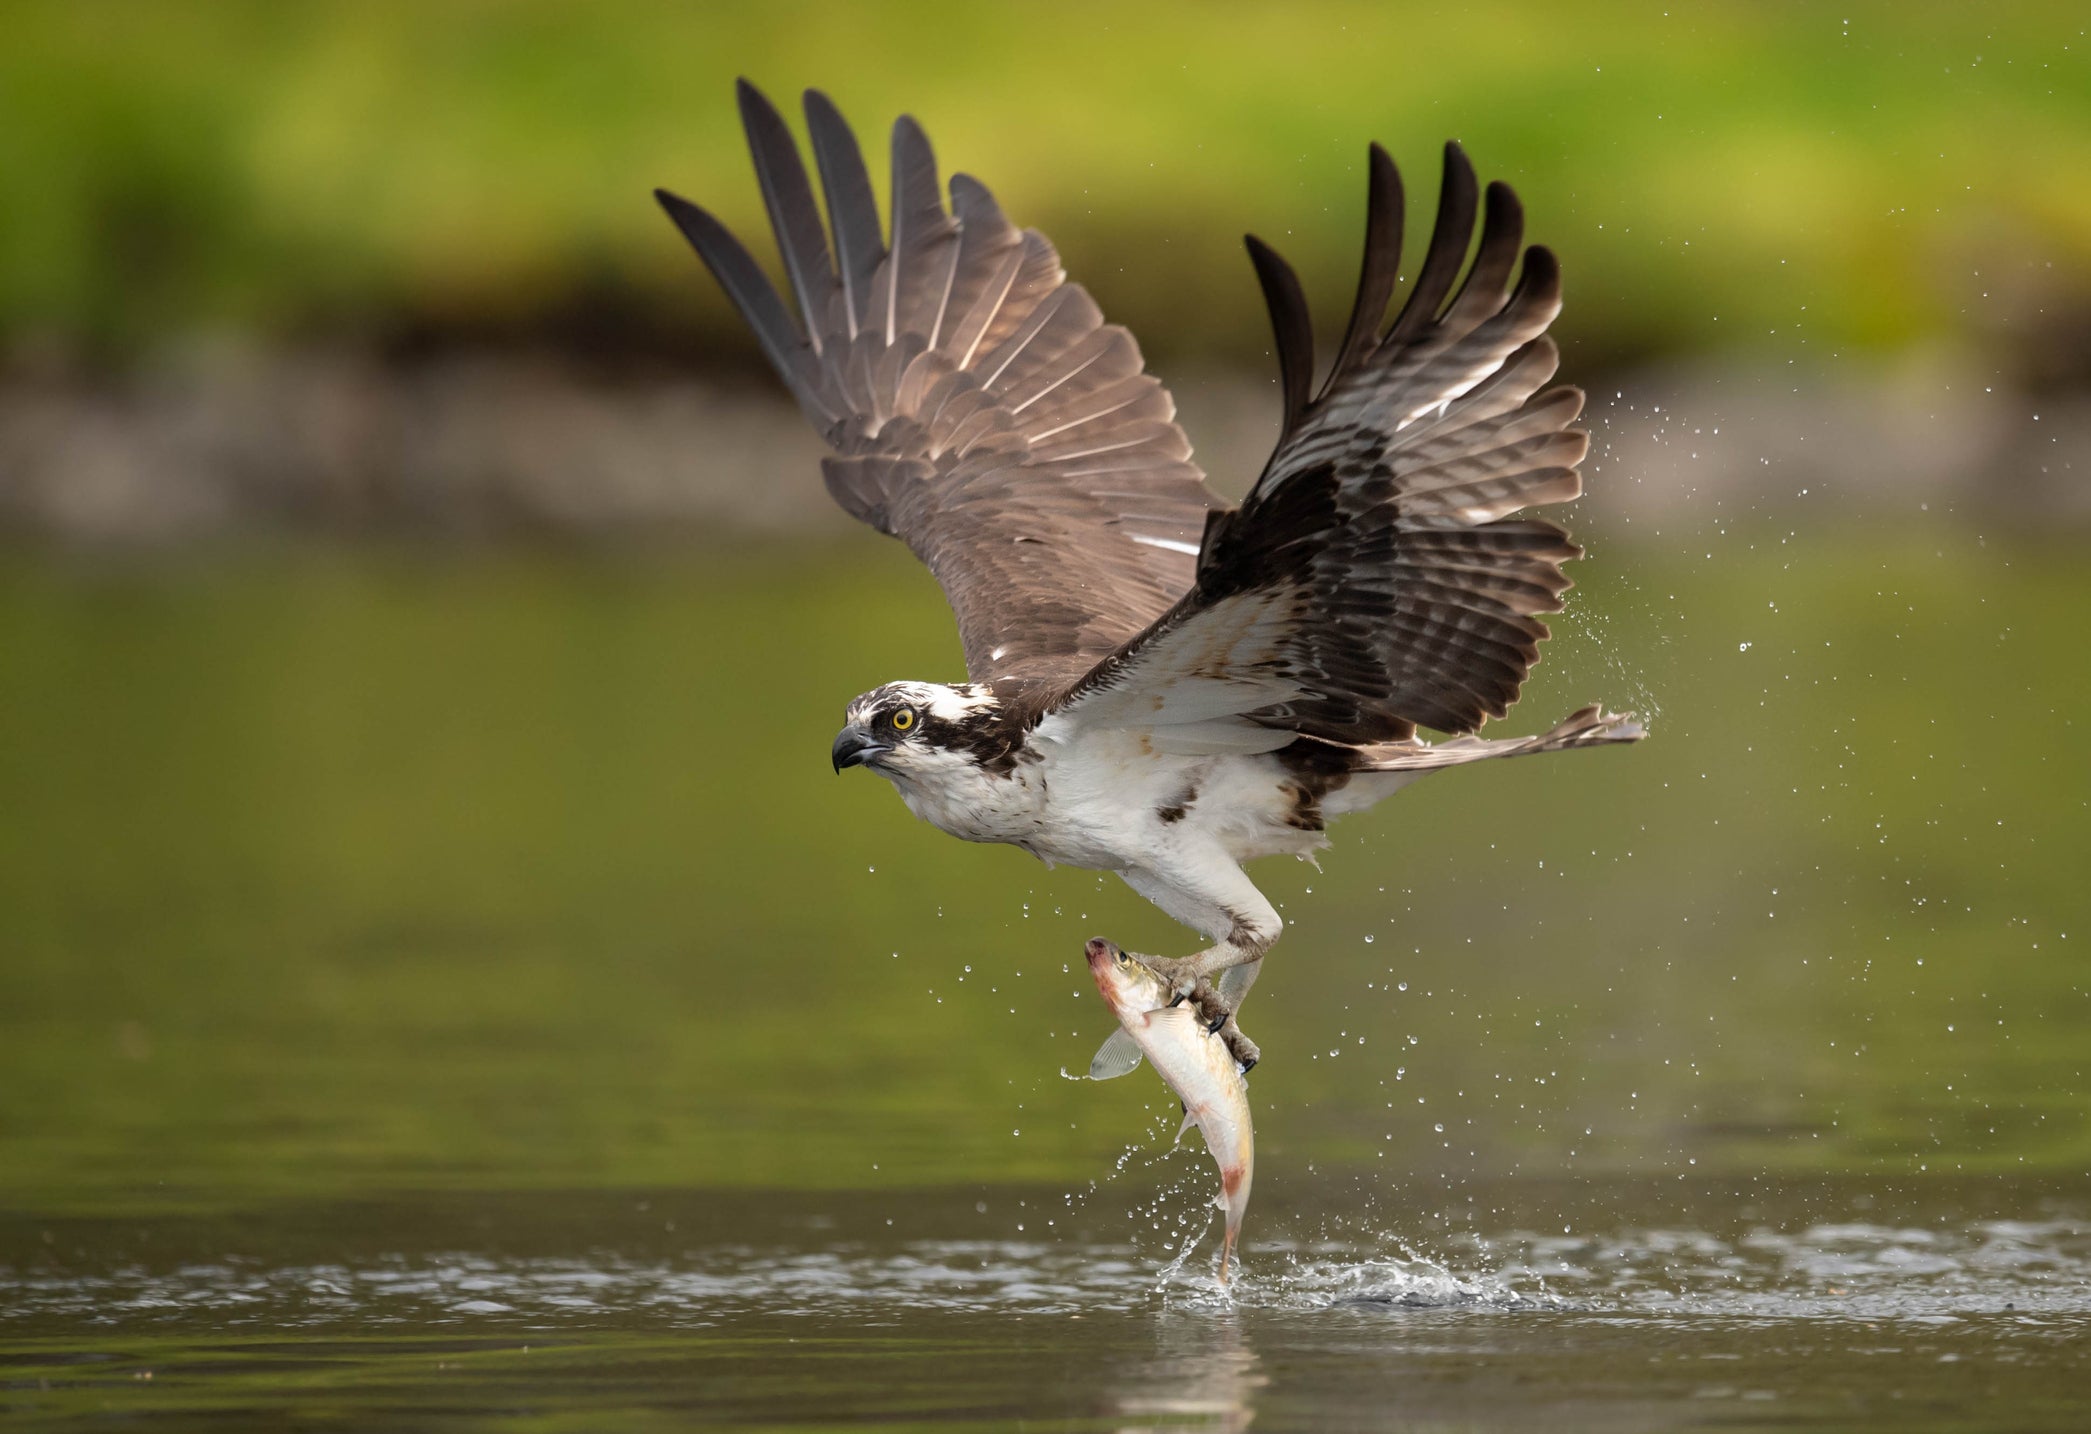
pixel 1385 768
pixel 1590 726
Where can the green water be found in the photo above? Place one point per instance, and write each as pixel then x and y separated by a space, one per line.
pixel 368 912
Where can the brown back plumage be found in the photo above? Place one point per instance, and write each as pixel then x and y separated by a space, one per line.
pixel 1373 576
pixel 982 411
pixel 980 408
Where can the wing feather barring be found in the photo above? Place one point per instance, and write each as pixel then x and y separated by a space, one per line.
pixel 1158 683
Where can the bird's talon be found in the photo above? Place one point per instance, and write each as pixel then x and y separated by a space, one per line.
pixel 1244 1050
pixel 1212 1006
pixel 1214 1011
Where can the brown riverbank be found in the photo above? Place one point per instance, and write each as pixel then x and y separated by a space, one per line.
pixel 223 444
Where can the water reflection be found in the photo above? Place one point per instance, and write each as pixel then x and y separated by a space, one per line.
pixel 1682 1120
pixel 1204 1374
pixel 1815 1305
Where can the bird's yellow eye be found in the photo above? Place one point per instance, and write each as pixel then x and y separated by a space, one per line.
pixel 903 719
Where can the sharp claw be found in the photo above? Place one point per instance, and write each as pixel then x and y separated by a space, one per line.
pixel 1213 1010
pixel 1244 1050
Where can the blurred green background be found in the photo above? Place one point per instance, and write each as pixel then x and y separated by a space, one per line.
pixel 456 814
pixel 1713 175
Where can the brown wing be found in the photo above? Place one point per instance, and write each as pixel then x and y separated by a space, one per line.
pixel 980 408
pixel 1373 579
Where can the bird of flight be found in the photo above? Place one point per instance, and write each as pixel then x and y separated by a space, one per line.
pixel 1159 683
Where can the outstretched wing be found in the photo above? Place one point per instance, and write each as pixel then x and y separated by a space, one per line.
pixel 979 407
pixel 1373 579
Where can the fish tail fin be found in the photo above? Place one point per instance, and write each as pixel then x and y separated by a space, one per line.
pixel 1234 1199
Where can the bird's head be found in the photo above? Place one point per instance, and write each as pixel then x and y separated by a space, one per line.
pixel 909 729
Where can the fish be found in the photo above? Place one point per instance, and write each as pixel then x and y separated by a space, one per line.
pixel 1195 1063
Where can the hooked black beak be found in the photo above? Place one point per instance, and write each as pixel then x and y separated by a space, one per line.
pixel 854 747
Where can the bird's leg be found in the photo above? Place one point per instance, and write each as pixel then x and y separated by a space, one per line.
pixel 1246 1053
pixel 1185 974
pixel 1235 962
pixel 1233 989
pixel 1212 894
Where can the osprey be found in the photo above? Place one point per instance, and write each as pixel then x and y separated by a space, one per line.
pixel 1159 683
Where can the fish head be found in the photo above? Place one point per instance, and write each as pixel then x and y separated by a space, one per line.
pixel 1128 987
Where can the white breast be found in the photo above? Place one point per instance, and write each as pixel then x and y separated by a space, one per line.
pixel 1095 798
pixel 1108 790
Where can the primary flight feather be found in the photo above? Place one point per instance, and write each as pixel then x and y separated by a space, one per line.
pixel 1161 684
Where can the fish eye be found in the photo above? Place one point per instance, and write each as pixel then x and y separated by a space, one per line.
pixel 1124 960
pixel 903 719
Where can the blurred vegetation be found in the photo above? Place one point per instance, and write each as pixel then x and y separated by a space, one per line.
pixel 1733 174
pixel 339 873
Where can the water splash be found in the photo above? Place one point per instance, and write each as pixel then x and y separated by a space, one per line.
pixel 1842 1272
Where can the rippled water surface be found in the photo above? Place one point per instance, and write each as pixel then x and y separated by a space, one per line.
pixel 461 994
pixel 1819 1306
